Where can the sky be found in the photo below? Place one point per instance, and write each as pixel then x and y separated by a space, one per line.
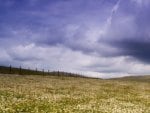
pixel 96 38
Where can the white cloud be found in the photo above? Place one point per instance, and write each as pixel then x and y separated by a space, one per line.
pixel 62 58
pixel 113 11
pixel 4 55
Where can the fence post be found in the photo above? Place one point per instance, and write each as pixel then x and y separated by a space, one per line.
pixel 43 71
pixel 10 69
pixel 28 71
pixel 58 73
pixel 20 70
pixel 48 72
pixel 36 71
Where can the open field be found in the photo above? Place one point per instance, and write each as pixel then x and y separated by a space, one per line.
pixel 53 94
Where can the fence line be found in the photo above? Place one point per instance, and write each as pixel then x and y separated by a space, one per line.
pixel 29 71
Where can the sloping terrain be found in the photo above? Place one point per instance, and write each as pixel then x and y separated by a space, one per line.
pixel 145 78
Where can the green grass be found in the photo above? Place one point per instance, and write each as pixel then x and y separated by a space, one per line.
pixel 53 94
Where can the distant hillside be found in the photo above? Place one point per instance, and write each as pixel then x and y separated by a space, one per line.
pixel 143 78
pixel 22 71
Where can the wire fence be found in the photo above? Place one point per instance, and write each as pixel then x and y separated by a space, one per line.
pixel 23 71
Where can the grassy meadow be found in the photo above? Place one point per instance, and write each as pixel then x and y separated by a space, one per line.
pixel 59 94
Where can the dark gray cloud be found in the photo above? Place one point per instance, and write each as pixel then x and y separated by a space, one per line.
pixel 129 31
pixel 135 48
